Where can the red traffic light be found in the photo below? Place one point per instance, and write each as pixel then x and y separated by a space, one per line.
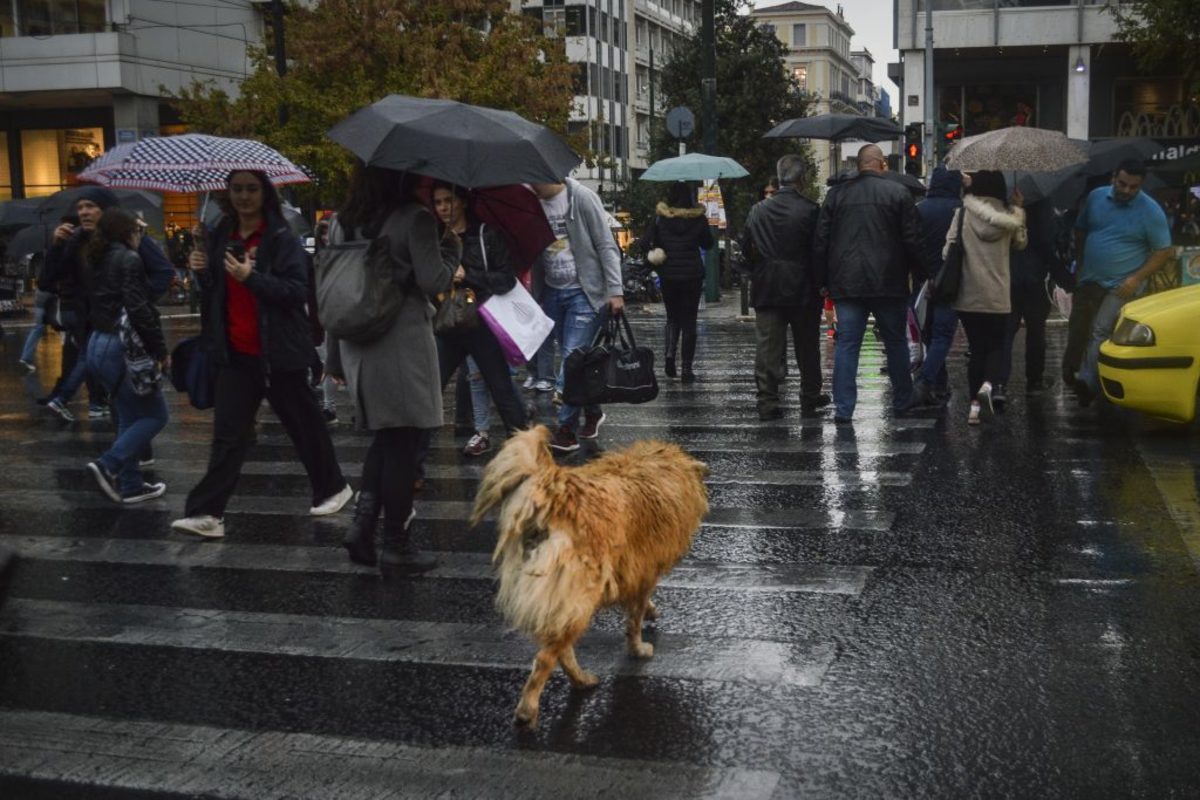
pixel 954 133
pixel 914 150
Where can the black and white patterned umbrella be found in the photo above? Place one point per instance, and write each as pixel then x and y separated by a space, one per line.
pixel 192 162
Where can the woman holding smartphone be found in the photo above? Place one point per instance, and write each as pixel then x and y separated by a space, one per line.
pixel 254 281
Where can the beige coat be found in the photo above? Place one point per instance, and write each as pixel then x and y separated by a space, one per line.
pixel 989 231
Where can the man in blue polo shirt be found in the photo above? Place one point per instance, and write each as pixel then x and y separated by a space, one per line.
pixel 1121 239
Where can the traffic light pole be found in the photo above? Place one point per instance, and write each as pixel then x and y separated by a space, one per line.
pixel 930 122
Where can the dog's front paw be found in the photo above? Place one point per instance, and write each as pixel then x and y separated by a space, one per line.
pixel 526 716
pixel 586 680
pixel 641 650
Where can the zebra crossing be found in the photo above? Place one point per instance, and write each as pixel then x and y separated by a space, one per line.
pixel 268 666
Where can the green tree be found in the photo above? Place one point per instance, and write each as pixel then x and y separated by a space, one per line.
pixel 754 93
pixel 345 54
pixel 1165 35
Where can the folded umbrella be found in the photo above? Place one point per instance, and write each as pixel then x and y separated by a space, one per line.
pixel 1018 149
pixel 836 127
pixel 694 167
pixel 192 162
pixel 467 145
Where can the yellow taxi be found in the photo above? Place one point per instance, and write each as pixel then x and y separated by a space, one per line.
pixel 1152 361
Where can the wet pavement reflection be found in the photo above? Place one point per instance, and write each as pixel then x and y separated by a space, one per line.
pixel 899 608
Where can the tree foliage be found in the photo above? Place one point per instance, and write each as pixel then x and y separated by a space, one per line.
pixel 345 54
pixel 1165 35
pixel 754 93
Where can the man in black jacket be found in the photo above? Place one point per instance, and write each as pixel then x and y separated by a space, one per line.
pixel 777 240
pixel 868 242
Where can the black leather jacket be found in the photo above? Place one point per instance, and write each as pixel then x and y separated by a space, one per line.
pixel 280 285
pixel 777 243
pixel 120 282
pixel 868 239
pixel 490 273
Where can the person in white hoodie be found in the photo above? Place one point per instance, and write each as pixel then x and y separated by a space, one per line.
pixel 991 228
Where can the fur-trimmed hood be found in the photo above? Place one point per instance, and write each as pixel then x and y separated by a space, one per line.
pixel 670 212
pixel 990 219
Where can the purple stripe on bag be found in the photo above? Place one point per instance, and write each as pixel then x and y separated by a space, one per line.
pixel 512 353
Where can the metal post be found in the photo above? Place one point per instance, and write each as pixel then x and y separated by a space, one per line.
pixel 930 129
pixel 280 52
pixel 712 272
pixel 650 125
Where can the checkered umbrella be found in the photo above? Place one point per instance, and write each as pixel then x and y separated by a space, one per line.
pixel 193 162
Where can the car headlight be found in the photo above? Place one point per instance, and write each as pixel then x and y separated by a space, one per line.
pixel 1133 333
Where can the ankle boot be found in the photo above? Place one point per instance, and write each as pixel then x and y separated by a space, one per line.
pixel 669 356
pixel 400 555
pixel 689 355
pixel 360 539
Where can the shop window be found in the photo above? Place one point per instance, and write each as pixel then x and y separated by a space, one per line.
pixel 51 17
pixel 987 107
pixel 50 159
pixel 6 189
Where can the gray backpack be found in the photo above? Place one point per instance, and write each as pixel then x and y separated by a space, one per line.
pixel 360 286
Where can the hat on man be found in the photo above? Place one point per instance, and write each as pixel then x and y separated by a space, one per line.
pixel 98 195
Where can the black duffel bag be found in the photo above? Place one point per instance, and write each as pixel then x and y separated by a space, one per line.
pixel 613 370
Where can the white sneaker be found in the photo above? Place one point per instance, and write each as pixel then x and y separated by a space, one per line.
pixel 973 414
pixel 544 386
pixel 29 365
pixel 333 505
pixel 528 384
pixel 203 525
pixel 985 400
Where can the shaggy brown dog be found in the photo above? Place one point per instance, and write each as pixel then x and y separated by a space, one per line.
pixel 573 540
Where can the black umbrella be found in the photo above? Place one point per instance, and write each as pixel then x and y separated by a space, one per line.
pixel 33 239
pixel 466 145
pixel 1106 155
pixel 147 205
pixel 1180 171
pixel 1063 187
pixel 836 127
pixel 18 213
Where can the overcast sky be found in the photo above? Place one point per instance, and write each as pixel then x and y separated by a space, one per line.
pixel 872 24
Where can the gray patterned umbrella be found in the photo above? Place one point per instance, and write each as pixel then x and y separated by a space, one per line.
pixel 1018 148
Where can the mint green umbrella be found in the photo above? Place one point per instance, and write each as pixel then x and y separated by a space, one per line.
pixel 694 167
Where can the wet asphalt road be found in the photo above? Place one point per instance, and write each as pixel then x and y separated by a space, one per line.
pixel 904 608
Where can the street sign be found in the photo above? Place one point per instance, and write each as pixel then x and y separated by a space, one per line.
pixel 681 122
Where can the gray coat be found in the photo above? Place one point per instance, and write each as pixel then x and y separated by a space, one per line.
pixel 597 256
pixel 394 380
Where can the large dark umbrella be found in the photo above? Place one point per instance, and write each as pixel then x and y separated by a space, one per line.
pixel 466 145
pixel 35 238
pixel 836 127
pixel 18 213
pixel 1105 156
pixel 1063 187
pixel 147 205
pixel 1180 171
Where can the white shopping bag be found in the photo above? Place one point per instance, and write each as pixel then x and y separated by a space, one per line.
pixel 518 323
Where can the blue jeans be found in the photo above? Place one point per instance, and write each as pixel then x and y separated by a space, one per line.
pixel 1102 328
pixel 31 341
pixel 941 336
pixel 575 325
pixel 481 399
pixel 140 417
pixel 891 315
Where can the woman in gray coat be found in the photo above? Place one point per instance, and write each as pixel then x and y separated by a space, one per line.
pixel 393 380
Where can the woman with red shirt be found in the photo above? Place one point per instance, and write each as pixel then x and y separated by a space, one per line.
pixel 254 279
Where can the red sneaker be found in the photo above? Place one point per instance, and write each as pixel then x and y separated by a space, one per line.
pixel 564 440
pixel 591 425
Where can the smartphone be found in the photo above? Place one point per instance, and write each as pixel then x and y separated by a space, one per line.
pixel 236 249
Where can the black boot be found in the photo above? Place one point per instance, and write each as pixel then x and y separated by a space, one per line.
pixel 669 360
pixel 689 354
pixel 360 539
pixel 400 555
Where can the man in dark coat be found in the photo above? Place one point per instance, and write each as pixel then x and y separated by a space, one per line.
pixel 777 240
pixel 868 242
pixel 937 212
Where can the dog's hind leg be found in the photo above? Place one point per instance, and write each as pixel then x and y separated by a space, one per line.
pixel 635 612
pixel 531 695
pixel 580 678
pixel 652 612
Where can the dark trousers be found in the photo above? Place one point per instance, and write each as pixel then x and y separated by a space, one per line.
pixel 771 330
pixel 681 299
pixel 241 387
pixel 1031 305
pixel 390 470
pixel 1085 302
pixel 986 334
pixel 481 344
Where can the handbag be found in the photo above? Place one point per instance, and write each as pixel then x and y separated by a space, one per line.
pixel 457 312
pixel 612 370
pixel 193 372
pixel 141 368
pixel 948 281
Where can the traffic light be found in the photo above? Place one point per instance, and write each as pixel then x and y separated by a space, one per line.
pixel 914 136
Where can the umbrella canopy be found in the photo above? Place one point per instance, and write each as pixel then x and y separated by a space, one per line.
pixel 1180 171
pixel 1018 149
pixel 295 219
pixel 515 211
pixel 836 127
pixel 35 238
pixel 466 145
pixel 192 162
pixel 694 167
pixel 146 205
pixel 1104 156
pixel 19 213
pixel 1062 187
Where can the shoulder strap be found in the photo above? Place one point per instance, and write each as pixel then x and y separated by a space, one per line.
pixel 483 246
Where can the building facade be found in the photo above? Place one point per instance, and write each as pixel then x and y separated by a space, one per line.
pixel 80 76
pixel 820 59
pixel 617 46
pixel 1046 63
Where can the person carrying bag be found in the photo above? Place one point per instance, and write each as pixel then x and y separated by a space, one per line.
pixel 614 369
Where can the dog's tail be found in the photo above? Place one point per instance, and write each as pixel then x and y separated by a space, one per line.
pixel 523 456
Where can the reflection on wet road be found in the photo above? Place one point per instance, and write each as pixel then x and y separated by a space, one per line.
pixel 901 608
